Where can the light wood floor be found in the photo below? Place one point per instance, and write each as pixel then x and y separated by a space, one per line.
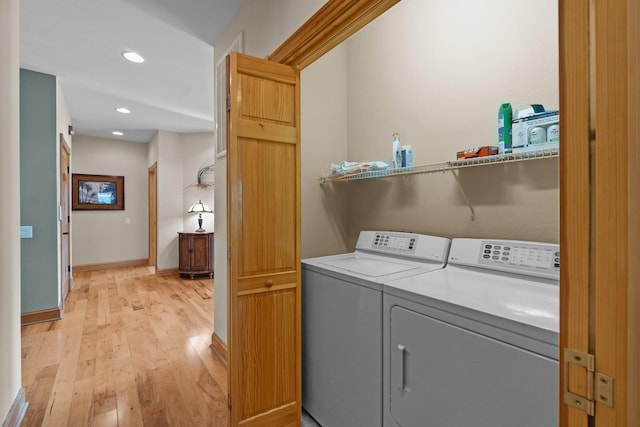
pixel 131 350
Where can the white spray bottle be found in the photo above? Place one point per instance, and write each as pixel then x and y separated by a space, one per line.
pixel 397 155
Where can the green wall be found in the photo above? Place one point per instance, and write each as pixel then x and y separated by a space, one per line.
pixel 38 201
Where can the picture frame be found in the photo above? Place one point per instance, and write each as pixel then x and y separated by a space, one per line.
pixel 97 192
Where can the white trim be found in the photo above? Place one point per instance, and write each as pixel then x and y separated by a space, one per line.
pixel 16 412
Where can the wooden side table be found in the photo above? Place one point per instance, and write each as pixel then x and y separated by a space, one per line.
pixel 195 254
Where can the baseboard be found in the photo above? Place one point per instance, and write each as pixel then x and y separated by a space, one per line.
pixel 117 264
pixel 167 272
pixel 17 410
pixel 38 316
pixel 219 348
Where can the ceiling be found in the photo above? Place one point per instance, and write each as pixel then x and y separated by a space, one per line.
pixel 81 41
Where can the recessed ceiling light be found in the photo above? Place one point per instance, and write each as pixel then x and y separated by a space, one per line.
pixel 123 110
pixel 117 133
pixel 133 56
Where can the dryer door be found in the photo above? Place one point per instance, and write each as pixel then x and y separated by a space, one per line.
pixel 443 375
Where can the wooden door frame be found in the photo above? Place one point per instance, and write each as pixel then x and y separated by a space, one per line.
pixel 66 273
pixel 152 218
pixel 599 201
pixel 615 263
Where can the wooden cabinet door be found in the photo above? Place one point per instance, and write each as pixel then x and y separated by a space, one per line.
pixel 184 252
pixel 200 253
pixel 263 214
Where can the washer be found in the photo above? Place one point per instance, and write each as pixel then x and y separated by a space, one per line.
pixel 476 343
pixel 342 322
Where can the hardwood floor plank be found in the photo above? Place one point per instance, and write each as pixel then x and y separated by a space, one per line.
pixel 41 388
pixel 153 409
pixel 217 371
pixel 131 350
pixel 59 404
pixel 81 403
pixel 128 404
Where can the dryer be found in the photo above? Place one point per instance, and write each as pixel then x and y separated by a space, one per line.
pixel 342 322
pixel 476 343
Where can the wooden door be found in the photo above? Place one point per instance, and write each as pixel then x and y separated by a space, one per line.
pixel 153 214
pixel 263 211
pixel 600 204
pixel 65 220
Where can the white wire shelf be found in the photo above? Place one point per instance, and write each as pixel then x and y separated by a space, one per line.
pixel 442 166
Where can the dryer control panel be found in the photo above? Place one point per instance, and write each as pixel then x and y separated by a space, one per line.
pixel 520 257
pixel 411 245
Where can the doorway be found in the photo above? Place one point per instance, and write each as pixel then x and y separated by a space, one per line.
pixel 153 216
pixel 65 222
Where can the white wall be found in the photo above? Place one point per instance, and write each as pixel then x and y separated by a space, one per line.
pixel 198 149
pixel 105 236
pixel 436 73
pixel 324 141
pixel 63 116
pixel 265 24
pixel 10 360
pixel 170 198
pixel 152 150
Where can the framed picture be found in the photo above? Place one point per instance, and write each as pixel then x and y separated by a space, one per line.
pixel 97 192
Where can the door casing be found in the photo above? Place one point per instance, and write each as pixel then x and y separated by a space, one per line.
pixel 66 280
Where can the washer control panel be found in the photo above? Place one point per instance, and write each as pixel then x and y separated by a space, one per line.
pixel 395 242
pixel 411 245
pixel 520 255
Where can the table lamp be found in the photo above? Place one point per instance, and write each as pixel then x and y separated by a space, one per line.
pixel 199 208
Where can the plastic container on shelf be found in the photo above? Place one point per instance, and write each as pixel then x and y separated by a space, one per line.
pixel 537 135
pixel 505 118
pixel 553 133
pixel 407 156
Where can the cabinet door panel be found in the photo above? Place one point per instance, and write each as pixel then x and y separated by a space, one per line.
pixel 184 253
pixel 200 258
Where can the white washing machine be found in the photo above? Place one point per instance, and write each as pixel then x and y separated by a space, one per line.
pixel 476 343
pixel 342 323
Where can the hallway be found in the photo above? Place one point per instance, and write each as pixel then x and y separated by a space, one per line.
pixel 131 350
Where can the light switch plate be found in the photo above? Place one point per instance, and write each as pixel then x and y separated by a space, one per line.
pixel 26 232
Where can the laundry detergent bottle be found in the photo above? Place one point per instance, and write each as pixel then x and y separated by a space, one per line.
pixel 505 118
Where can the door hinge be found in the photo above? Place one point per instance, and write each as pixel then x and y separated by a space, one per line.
pixel 228 253
pixel 228 103
pixel 68 169
pixel 229 400
pixel 599 387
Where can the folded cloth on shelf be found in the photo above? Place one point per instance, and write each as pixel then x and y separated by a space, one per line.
pixel 346 168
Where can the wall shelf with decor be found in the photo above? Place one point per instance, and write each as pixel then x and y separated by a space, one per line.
pixel 442 166
pixel 451 165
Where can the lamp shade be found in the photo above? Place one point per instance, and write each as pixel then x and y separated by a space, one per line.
pixel 199 208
